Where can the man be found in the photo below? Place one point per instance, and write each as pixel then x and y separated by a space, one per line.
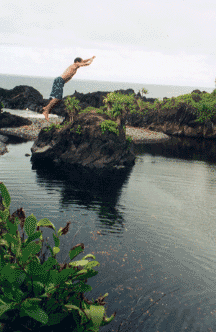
pixel 58 84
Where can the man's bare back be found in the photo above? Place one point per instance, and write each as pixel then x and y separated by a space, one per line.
pixel 72 69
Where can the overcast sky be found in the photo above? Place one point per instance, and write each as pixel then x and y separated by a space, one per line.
pixel 152 42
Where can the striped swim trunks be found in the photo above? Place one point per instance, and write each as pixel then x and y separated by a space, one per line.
pixel 57 88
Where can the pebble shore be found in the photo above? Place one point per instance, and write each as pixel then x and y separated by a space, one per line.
pixel 30 133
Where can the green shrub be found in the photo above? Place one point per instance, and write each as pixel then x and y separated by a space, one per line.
pixel 72 104
pixel 214 92
pixel 43 294
pixel 78 131
pixel 57 126
pixel 143 91
pixel 205 107
pixel 88 109
pixel 117 102
pixel 204 104
pixel 110 126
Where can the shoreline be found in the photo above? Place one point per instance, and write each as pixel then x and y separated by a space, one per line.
pixel 31 132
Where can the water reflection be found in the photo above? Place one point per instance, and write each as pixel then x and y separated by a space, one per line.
pixel 89 191
pixel 183 148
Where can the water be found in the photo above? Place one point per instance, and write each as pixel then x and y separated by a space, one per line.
pixel 158 235
pixel 157 248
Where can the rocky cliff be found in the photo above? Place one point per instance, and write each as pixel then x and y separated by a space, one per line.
pixel 92 141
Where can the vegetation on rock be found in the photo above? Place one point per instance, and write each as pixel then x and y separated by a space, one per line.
pixel 116 104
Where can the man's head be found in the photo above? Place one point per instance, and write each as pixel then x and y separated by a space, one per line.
pixel 78 60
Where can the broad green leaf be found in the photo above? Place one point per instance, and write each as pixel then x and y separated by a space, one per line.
pixel 21 278
pixel 4 214
pixel 31 249
pixel 81 263
pixel 88 256
pixel 59 233
pixel 11 227
pixel 45 222
pixel 63 275
pixel 17 221
pixel 2 260
pixel 10 272
pixel 71 307
pixel 3 242
pixel 50 249
pixel 50 303
pixel 56 250
pixel 73 253
pixel 8 293
pixel 107 320
pixel 34 268
pixel 5 194
pixel 33 310
pixel 10 239
pixel 56 318
pixel 31 238
pixel 97 313
pixel 56 240
pixel 49 264
pixel 30 224
pixel 18 295
pixel 50 286
pixel 85 274
pixel 81 287
pixel 5 300
pixel 5 307
pixel 86 263
pixel 38 288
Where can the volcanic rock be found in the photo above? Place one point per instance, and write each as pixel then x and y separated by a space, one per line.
pixel 4 139
pixel 10 120
pixel 21 97
pixel 83 144
pixel 3 148
pixel 177 120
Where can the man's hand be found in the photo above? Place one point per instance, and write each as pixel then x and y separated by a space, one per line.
pixel 93 57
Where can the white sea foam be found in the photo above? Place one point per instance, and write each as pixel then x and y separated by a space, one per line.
pixel 28 114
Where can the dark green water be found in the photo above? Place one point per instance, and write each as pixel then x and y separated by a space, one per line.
pixel 157 248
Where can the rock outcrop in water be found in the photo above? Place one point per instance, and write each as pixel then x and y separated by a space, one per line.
pixel 21 97
pixel 82 143
pixel 178 119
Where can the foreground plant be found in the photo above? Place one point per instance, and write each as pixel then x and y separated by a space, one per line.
pixel 39 295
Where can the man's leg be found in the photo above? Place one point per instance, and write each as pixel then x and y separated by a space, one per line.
pixel 49 107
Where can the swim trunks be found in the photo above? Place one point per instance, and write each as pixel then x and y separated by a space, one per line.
pixel 57 88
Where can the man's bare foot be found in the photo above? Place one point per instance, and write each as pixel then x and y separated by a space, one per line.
pixel 45 113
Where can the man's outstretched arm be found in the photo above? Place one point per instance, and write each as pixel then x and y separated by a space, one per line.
pixel 87 60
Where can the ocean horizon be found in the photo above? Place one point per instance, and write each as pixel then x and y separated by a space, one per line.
pixel 44 85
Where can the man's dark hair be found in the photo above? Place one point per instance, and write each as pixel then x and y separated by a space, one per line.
pixel 77 60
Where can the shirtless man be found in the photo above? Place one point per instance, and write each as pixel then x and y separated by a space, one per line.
pixel 57 88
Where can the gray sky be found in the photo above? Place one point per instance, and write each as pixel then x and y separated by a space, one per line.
pixel 152 42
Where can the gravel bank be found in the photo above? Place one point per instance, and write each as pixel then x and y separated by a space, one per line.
pixel 30 133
